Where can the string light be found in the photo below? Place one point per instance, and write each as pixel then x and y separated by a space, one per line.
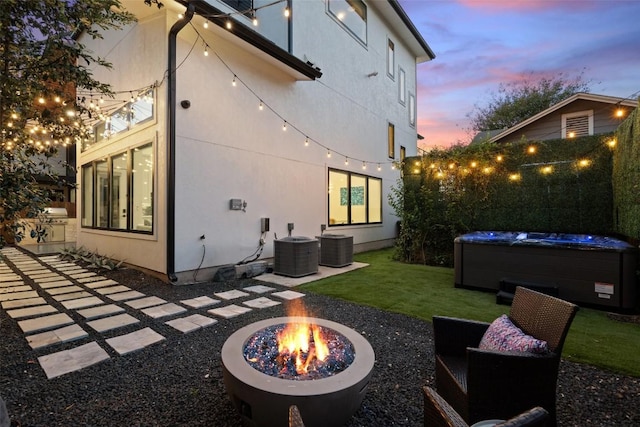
pixel 206 24
pixel 287 12
pixel 531 149
pixel 346 161
pixel 255 19
pixel 206 52
pixel 228 25
pixel 261 102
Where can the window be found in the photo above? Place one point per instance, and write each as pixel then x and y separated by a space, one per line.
pixel 403 153
pixel 391 141
pixel 351 15
pixel 87 192
pixel 354 198
pixel 138 110
pixel 402 86
pixel 412 110
pixel 119 187
pixel 391 59
pixel 577 124
pixel 117 192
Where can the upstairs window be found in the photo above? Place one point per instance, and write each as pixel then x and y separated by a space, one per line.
pixel 391 59
pixel 402 87
pixel 412 110
pixel 138 110
pixel 577 124
pixel 391 141
pixel 351 15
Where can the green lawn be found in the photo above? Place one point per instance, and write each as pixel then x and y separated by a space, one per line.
pixel 423 291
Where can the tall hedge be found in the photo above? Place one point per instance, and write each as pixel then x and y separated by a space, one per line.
pixel 626 176
pixel 561 186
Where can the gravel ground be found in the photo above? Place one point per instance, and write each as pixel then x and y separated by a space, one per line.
pixel 178 382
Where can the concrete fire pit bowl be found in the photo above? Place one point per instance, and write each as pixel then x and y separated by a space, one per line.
pixel 264 400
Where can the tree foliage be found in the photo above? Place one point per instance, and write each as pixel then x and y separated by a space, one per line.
pixel 517 101
pixel 42 67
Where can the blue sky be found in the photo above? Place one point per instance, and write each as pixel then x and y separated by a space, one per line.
pixel 482 43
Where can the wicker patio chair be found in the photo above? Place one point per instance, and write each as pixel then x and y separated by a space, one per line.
pixel 438 413
pixel 295 419
pixel 488 384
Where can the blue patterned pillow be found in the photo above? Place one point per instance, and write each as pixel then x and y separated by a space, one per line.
pixel 503 335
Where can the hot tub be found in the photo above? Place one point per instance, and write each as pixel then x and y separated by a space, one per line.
pixel 584 269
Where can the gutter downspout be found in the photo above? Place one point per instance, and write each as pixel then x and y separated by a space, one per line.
pixel 171 143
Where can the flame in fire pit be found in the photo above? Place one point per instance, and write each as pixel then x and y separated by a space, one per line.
pixel 298 349
pixel 304 343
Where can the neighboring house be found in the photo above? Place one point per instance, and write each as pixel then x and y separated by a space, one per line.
pixel 232 137
pixel 581 114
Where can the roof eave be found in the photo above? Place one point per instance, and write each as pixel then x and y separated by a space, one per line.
pixel 214 16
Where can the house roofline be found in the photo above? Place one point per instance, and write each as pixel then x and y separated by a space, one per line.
pixel 253 38
pixel 428 53
pixel 580 95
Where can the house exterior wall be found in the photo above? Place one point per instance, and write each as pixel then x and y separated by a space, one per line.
pixel 550 126
pixel 227 148
pixel 138 55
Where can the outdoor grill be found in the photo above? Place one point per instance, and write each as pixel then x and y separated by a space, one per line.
pixel 54 220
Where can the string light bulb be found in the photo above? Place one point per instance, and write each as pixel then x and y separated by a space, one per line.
pixel 287 12
pixel 254 19
pixel 206 52
pixel 379 167
pixel 346 161
pixel 328 153
pixel 233 82
pixel 620 112
pixel 206 24
pixel 284 126
pixel 306 141
pixel 531 149
pixel 260 106
pixel 364 165
pixel 228 25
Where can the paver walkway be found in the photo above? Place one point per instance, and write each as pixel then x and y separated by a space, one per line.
pixel 44 305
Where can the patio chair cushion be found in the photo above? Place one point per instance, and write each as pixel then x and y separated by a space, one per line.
pixel 503 335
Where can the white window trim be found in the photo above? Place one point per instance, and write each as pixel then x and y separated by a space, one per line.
pixel 412 110
pixel 402 86
pixel 588 113
pixel 391 59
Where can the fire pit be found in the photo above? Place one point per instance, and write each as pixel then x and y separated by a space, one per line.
pixel 326 378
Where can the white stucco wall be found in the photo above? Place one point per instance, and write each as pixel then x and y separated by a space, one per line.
pixel 227 148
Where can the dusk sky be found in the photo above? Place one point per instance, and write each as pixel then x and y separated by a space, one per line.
pixel 482 43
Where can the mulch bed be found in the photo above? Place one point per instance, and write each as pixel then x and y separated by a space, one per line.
pixel 178 382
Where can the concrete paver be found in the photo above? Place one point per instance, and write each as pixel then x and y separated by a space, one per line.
pixel 191 323
pixel 66 361
pixel 134 341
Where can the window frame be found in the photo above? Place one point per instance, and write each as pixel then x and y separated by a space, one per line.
pixel 366 202
pixel 353 5
pixel 102 130
pixel 402 86
pixel 101 193
pixel 391 59
pixel 412 110
pixel 391 140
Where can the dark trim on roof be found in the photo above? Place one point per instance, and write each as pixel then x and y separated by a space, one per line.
pixel 250 36
pixel 407 21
